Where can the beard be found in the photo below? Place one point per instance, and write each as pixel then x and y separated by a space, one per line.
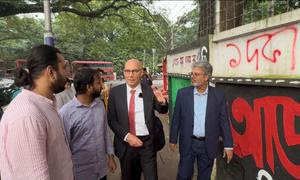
pixel 96 94
pixel 59 85
pixel 197 84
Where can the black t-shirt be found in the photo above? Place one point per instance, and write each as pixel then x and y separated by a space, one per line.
pixel 145 80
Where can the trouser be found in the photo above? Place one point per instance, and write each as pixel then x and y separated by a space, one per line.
pixel 140 160
pixel 204 163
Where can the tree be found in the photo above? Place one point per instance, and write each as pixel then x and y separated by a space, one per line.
pixel 256 10
pixel 113 38
pixel 131 33
pixel 186 29
pixel 106 8
pixel 17 35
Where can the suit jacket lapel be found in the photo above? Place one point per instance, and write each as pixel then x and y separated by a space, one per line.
pixel 123 103
pixel 190 100
pixel 209 105
pixel 147 101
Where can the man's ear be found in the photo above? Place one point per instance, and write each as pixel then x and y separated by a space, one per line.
pixel 89 87
pixel 50 71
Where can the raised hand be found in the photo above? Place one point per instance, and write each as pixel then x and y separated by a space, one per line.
pixel 159 94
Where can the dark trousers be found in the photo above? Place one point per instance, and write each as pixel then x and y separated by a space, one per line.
pixel 104 178
pixel 204 163
pixel 139 160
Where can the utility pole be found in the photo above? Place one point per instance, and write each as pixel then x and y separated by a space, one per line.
pixel 172 36
pixel 153 53
pixel 48 35
pixel 144 58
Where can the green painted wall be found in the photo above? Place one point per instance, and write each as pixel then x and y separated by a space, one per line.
pixel 175 83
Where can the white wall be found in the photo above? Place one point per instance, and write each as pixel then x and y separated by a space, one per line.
pixel 267 48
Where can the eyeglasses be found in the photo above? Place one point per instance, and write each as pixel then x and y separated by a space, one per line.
pixel 134 71
pixel 196 74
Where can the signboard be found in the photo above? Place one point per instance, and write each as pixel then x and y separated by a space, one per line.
pixel 180 60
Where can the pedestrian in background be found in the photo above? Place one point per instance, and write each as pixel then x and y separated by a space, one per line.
pixel 65 96
pixel 146 78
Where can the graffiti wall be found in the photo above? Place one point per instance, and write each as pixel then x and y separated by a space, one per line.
pixel 266 132
pixel 180 60
pixel 262 52
pixel 265 115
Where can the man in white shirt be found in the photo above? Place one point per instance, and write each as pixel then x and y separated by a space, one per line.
pixel 131 117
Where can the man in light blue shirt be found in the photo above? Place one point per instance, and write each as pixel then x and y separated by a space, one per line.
pixel 86 128
pixel 200 117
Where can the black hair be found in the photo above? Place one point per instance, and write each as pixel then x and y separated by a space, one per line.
pixel 68 80
pixel 100 70
pixel 83 77
pixel 21 77
pixel 40 58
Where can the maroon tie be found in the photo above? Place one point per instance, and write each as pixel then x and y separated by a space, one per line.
pixel 131 113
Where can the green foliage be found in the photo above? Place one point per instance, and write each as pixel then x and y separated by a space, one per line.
pixel 112 39
pixel 129 34
pixel 260 9
pixel 17 35
pixel 186 29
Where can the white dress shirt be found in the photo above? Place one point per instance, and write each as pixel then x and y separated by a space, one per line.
pixel 140 125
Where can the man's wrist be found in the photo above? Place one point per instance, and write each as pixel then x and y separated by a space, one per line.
pixel 125 138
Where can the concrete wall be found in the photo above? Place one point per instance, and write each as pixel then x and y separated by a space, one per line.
pixel 264 117
pixel 268 48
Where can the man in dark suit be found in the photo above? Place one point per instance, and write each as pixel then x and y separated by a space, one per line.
pixel 200 117
pixel 131 117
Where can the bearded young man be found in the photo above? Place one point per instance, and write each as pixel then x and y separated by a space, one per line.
pixel 86 128
pixel 32 142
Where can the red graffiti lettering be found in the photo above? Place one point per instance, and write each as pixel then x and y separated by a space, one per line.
pixel 235 62
pixel 250 141
pixel 175 62
pixel 194 59
pixel 247 143
pixel 257 48
pixel 184 60
pixel 188 59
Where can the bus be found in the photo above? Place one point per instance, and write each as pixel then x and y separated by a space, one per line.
pixel 21 63
pixel 106 67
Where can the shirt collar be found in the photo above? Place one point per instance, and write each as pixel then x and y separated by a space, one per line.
pixel 39 97
pixel 198 93
pixel 138 88
pixel 79 104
